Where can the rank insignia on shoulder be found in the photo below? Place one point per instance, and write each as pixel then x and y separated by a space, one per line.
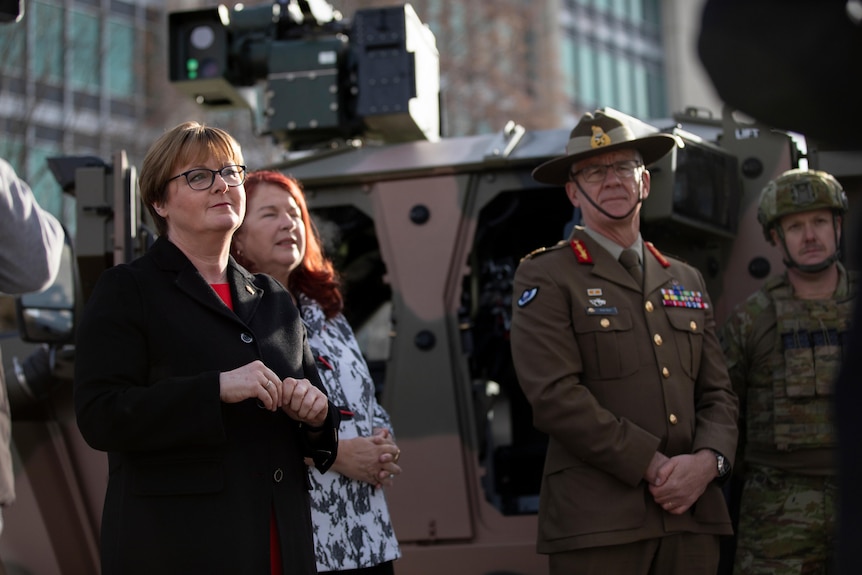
pixel 527 296
pixel 657 254
pixel 544 250
pixel 581 252
pixel 535 252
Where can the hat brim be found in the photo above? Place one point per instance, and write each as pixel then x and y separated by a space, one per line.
pixel 652 148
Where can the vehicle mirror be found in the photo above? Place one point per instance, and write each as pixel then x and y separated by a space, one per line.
pixel 49 316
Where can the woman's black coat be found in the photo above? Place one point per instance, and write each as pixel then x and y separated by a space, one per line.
pixel 193 481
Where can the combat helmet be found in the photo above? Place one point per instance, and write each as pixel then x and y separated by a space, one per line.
pixel 797 191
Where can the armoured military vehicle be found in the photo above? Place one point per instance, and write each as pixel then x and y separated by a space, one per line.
pixel 426 232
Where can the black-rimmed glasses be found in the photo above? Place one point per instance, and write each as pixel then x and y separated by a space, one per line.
pixel 624 170
pixel 204 178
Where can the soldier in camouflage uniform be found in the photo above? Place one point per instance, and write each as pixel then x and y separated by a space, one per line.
pixel 783 349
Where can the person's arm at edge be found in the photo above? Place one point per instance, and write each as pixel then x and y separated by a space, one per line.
pixel 31 239
pixel 716 403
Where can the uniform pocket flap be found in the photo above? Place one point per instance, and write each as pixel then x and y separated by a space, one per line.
pixel 619 320
pixel 690 320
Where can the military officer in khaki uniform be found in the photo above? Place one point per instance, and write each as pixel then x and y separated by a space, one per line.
pixel 783 348
pixel 624 373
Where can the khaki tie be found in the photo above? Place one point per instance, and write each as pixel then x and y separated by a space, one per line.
pixel 630 260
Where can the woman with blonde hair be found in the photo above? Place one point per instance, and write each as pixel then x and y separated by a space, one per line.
pixel 195 376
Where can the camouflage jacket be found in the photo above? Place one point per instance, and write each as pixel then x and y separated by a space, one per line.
pixel 783 354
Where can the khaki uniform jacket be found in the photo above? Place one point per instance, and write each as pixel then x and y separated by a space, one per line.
pixel 614 374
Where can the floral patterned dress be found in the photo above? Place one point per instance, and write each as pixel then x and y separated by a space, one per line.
pixel 352 528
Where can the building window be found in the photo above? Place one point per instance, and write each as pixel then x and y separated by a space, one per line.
pixel 602 5
pixel 636 11
pixel 12 47
pixel 12 151
pixel 613 56
pixel 49 92
pixel 42 182
pixel 50 134
pixel 655 86
pixel 569 65
pixel 651 12
pixel 83 143
pixel 11 84
pixel 606 81
pixel 84 52
pixel 120 108
pixel 641 92
pixel 587 75
pixel 121 60
pixel 123 9
pixel 46 27
pixel 85 101
pixel 625 91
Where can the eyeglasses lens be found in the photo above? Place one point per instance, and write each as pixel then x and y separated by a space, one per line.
pixel 624 170
pixel 202 179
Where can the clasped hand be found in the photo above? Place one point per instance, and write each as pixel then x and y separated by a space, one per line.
pixel 677 482
pixel 298 398
pixel 372 459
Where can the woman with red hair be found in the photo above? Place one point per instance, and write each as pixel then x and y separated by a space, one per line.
pixel 278 238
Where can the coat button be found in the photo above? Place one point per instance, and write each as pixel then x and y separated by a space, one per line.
pixel 665 372
pixel 605 322
pixel 278 475
pixel 693 325
pixel 648 306
pixel 673 420
pixel 657 339
pixel 246 338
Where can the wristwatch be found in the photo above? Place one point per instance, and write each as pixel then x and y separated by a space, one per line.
pixel 723 465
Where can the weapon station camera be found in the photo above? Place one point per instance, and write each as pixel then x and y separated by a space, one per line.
pixel 310 78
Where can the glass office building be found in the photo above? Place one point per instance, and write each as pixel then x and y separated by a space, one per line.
pixel 78 77
pixel 612 55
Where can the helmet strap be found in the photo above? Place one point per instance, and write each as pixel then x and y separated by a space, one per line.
pixel 604 211
pixel 810 268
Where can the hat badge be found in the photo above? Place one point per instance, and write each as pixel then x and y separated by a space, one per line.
pixel 599 138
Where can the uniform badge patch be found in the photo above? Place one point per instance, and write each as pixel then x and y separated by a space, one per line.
pixel 599 138
pixel 605 310
pixel 598 302
pixel 594 292
pixel 678 296
pixel 527 296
